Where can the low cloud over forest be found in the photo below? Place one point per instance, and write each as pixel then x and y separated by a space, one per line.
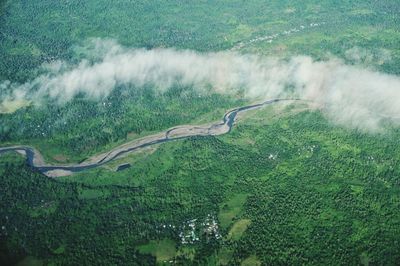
pixel 351 95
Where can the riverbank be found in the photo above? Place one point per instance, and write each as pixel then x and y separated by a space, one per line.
pixel 35 159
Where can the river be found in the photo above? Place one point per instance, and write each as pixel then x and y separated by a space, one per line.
pixel 34 158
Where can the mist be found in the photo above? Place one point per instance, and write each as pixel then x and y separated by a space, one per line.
pixel 349 95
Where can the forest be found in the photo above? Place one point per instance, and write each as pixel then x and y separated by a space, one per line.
pixel 84 127
pixel 35 33
pixel 359 32
pixel 299 191
pixel 285 187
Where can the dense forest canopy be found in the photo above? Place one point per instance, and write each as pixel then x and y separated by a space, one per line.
pixel 287 185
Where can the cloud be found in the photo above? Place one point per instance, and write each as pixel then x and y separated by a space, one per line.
pixel 358 55
pixel 351 95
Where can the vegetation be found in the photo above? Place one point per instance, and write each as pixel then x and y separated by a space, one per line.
pixel 320 200
pixel 163 250
pixel 231 209
pixel 37 32
pixel 238 229
pixel 285 187
pixel 84 127
pixel 362 32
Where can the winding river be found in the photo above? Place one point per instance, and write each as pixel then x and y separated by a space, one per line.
pixel 35 159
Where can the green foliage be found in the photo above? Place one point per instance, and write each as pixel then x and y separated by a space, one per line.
pixel 45 31
pixel 38 32
pixel 314 193
pixel 320 200
pixel 83 127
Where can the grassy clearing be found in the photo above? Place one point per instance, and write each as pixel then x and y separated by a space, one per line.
pixel 163 250
pixel 251 261
pixel 231 209
pixel 238 229
pixel 88 193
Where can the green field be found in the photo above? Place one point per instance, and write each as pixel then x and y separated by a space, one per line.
pixel 231 209
pixel 238 229
pixel 163 250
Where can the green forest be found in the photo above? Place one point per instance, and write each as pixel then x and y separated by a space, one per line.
pixel 296 191
pixel 36 33
pixel 287 186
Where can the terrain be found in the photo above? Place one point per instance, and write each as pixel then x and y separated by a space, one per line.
pixel 281 184
pixel 35 159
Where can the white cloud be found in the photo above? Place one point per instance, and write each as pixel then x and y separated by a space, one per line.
pixel 351 95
